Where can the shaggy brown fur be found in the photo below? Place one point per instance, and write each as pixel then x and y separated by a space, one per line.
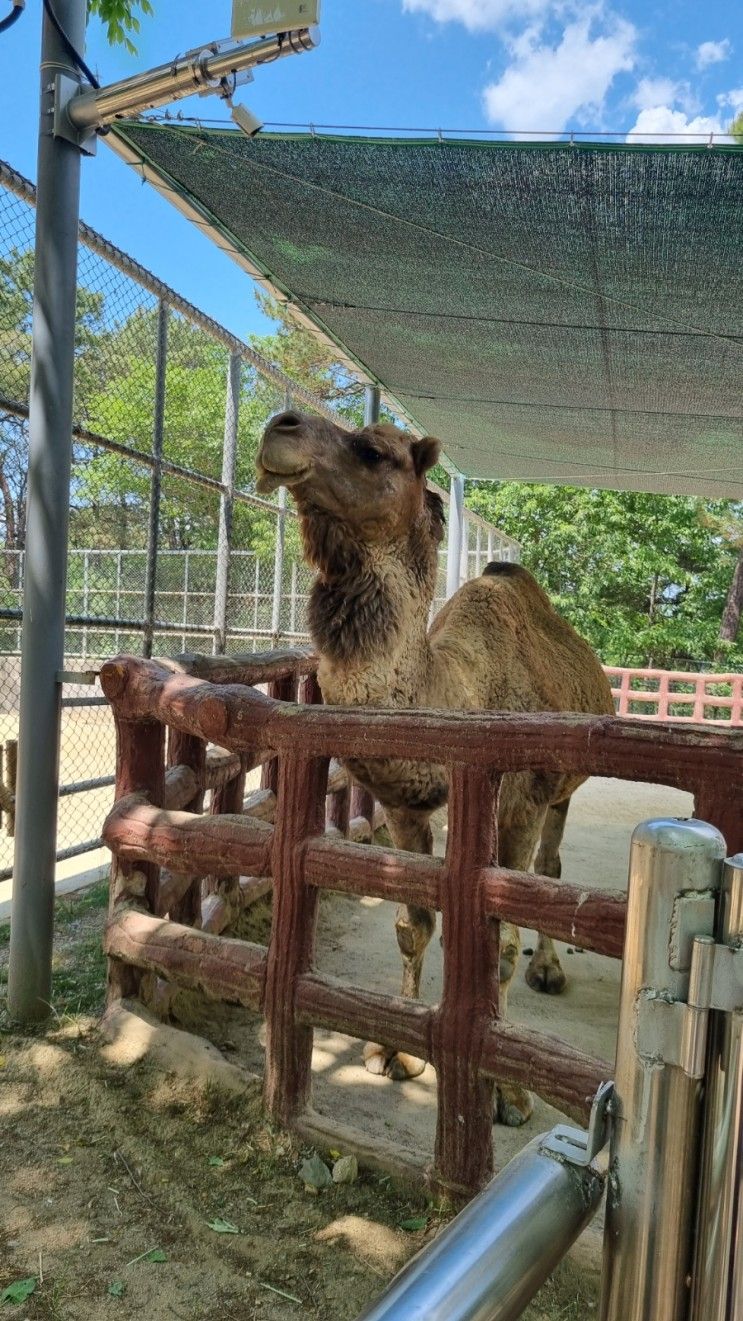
pixel 372 531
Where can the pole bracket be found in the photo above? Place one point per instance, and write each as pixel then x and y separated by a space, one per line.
pixel 674 1032
pixel 66 89
pixel 575 1145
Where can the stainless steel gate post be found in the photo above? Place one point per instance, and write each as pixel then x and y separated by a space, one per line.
pixel 718 1268
pixel 675 870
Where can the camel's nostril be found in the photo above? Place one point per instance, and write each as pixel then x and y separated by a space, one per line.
pixel 287 421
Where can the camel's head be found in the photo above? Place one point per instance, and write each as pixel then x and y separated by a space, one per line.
pixel 372 481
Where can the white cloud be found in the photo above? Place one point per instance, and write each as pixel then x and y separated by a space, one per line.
pixel 713 52
pixel 545 85
pixel 664 124
pixel 655 91
pixel 476 15
pixel 733 98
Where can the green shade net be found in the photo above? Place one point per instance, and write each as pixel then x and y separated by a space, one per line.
pixel 551 312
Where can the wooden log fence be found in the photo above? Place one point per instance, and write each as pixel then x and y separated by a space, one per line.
pixel 280 839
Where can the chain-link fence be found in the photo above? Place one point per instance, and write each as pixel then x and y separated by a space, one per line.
pixel 170 547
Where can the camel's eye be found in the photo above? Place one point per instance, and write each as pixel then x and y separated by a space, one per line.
pixel 368 454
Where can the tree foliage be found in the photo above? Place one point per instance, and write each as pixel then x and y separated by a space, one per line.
pixel 643 577
pixel 121 18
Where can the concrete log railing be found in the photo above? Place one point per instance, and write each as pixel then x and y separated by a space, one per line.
pixel 463 1037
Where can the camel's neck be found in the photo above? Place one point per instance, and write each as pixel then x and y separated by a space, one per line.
pixel 369 613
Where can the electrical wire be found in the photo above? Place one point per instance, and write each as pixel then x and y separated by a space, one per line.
pixel 13 16
pixel 74 55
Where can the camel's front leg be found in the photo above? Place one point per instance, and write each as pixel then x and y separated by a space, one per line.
pixel 545 972
pixel 414 927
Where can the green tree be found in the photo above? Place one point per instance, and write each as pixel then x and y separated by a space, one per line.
pixel 120 18
pixel 643 577
pixel 16 302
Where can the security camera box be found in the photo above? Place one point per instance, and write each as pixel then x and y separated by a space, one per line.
pixel 260 20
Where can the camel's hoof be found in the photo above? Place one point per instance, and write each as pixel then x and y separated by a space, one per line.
pixel 400 1067
pixel 548 978
pixel 375 1058
pixel 391 1063
pixel 513 1105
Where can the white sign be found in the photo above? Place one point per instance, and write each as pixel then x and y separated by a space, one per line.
pixel 261 20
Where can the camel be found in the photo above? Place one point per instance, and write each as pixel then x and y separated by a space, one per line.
pixel 371 528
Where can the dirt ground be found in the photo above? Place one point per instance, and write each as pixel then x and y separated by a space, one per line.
pixel 121 1183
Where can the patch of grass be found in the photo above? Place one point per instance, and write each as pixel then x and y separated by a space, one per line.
pixel 79 978
pixel 79 905
pixel 4 935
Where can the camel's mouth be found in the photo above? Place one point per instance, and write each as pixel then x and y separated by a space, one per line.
pixel 269 479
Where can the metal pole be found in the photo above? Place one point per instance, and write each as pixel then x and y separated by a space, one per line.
pixel 491 1260
pixel 718 1270
pixel 50 453
pixel 456 525
pixel 372 402
pixel 278 566
pixel 184 612
pixel 86 599
pixel 158 430
pixel 490 545
pixel 674 872
pixel 293 602
pixel 197 69
pixel 226 503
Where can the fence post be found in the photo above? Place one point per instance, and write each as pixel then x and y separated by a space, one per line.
pixel 117 634
pixel 278 567
pixel 50 456
pixel 184 613
pixel 674 874
pixel 226 503
pixel 86 601
pixel 158 430
pixel 456 526
pixel 718 1269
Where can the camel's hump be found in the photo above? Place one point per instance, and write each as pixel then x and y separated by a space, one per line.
pixel 505 569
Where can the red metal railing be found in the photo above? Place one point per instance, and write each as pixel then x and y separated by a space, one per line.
pixel 468 1044
pixel 677 696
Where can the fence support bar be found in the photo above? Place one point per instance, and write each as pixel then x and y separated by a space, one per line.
pixel 491 1260
pixel 226 503
pixel 372 404
pixel 158 433
pixel 50 455
pixel 674 874
pixel 456 534
pixel 718 1269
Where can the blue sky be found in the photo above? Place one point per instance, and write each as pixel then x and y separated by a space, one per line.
pixel 508 65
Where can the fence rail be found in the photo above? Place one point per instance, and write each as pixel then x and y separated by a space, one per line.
pixel 469 1046
pixel 677 695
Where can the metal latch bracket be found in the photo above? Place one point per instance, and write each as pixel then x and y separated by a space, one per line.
pixel 575 1145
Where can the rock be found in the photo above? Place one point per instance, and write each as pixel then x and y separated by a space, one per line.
pixel 346 1170
pixel 315 1174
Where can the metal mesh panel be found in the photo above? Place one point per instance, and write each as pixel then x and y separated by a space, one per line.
pixel 553 311
pixel 152 413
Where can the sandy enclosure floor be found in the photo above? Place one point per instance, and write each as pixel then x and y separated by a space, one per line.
pixel 103 1159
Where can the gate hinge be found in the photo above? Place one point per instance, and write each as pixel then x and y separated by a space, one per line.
pixel 674 1032
pixel 575 1145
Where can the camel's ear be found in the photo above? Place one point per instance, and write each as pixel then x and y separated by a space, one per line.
pixel 425 453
